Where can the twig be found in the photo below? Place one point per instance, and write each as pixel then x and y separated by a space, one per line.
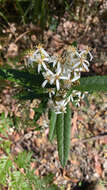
pixel 98 137
pixel 19 37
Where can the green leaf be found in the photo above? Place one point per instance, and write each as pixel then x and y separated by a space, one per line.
pixel 63 125
pixel 4 17
pixel 91 84
pixel 60 136
pixel 48 178
pixel 53 187
pixel 67 127
pixel 23 159
pixel 2 74
pixel 74 44
pixel 95 83
pixel 52 125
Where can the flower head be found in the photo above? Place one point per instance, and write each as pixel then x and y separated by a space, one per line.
pixel 51 92
pixel 60 106
pixel 62 73
pixel 49 77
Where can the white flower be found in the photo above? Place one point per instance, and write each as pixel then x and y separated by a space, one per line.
pixel 40 56
pixel 49 77
pixel 53 60
pixel 57 76
pixel 40 64
pixel 60 106
pixel 77 60
pixel 76 97
pixel 75 65
pixel 41 50
pixel 52 78
pixel 60 76
pixel 73 51
pixel 36 57
pixel 51 92
pixel 76 76
pixel 87 51
pixel 82 62
pixel 70 98
pixel 40 59
pixel 31 60
pixel 71 64
pixel 91 57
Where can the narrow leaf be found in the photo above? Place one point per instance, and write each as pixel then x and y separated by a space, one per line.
pixel 95 83
pixel 4 17
pixel 60 136
pixel 91 84
pixel 67 127
pixel 52 125
pixel 63 125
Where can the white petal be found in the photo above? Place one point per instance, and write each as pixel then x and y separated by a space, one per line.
pixel 44 83
pixel 76 65
pixel 91 57
pixel 75 78
pixel 57 84
pixel 82 52
pixel 71 98
pixel 58 70
pixel 58 112
pixel 37 51
pixel 37 56
pixel 39 68
pixel 86 62
pixel 50 72
pixel 44 52
pixel 46 59
pixel 50 95
pixel 65 77
pixel 77 53
pixel 30 62
pixel 44 66
pixel 52 80
pixel 54 63
pixel 85 66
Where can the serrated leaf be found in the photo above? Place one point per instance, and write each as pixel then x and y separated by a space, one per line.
pixel 63 124
pixel 52 125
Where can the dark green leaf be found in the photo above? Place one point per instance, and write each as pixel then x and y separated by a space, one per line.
pixel 60 136
pixel 91 84
pixel 67 127
pixel 52 125
pixel 63 124
pixel 95 83
pixel 74 44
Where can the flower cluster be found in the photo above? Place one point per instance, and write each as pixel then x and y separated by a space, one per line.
pixel 61 74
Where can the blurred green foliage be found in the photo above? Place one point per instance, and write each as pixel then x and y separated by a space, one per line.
pixel 42 12
pixel 36 11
